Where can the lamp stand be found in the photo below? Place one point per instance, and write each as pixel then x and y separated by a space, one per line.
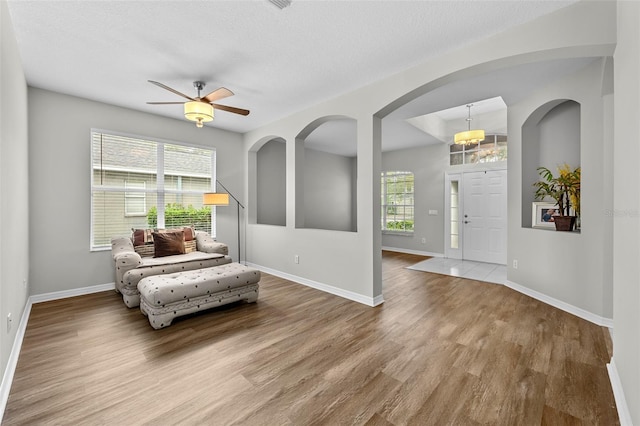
pixel 238 208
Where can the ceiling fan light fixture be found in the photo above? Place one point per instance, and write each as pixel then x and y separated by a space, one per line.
pixel 469 136
pixel 200 112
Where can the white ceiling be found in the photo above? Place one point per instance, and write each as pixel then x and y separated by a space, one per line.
pixel 276 61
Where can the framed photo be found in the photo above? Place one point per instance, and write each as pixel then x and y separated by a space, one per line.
pixel 542 214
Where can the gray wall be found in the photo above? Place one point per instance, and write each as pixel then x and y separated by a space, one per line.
pixel 59 183
pixel 271 171
pixel 428 164
pixel 585 29
pixel 569 267
pixel 14 187
pixel 328 191
pixel 626 213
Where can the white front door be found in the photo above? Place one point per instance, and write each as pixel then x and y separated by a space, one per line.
pixel 484 218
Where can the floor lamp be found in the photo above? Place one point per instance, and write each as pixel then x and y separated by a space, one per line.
pixel 222 199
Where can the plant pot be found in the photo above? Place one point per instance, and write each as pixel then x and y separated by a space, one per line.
pixel 564 223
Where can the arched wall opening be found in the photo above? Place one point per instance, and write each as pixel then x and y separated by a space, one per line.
pixel 326 172
pixel 552 111
pixel 361 275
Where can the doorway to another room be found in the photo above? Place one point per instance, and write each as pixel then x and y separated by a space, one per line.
pixel 476 216
pixel 475 227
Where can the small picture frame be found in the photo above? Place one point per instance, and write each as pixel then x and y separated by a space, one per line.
pixel 542 214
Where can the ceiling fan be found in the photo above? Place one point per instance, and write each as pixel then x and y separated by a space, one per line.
pixel 200 109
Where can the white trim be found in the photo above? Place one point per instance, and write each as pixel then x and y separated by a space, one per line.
pixel 356 297
pixel 45 297
pixel 7 379
pixel 409 251
pixel 618 393
pixel 574 310
pixel 378 300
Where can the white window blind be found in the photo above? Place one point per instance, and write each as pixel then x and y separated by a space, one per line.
pixel 142 183
pixel 135 202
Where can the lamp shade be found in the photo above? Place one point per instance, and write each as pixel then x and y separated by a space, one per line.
pixel 197 111
pixel 215 199
pixel 468 137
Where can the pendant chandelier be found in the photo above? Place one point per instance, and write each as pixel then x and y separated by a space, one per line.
pixel 469 136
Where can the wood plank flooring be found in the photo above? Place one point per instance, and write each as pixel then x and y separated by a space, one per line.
pixel 439 351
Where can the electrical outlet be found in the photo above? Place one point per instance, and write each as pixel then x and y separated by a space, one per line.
pixel 515 263
pixel 296 259
pixel 433 212
pixel 424 240
pixel 9 320
pixel 24 283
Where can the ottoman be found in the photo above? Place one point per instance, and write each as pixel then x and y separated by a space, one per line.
pixel 165 297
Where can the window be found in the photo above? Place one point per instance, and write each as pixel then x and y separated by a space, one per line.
pixel 493 148
pixel 134 202
pixel 397 201
pixel 141 183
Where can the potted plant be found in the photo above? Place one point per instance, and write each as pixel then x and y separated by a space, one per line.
pixel 565 190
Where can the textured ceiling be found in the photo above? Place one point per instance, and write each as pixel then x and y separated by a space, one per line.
pixel 276 61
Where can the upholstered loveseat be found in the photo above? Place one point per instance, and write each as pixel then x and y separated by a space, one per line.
pixel 138 257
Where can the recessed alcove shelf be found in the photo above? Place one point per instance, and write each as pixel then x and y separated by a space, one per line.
pixel 550 138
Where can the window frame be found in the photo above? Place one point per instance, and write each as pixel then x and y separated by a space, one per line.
pixel 469 150
pixel 384 176
pixel 159 189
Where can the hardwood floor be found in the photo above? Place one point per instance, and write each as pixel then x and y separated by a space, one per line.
pixel 440 350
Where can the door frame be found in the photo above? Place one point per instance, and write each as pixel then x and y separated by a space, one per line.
pixel 453 176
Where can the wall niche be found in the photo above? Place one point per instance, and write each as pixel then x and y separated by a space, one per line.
pixel 550 138
pixel 271 183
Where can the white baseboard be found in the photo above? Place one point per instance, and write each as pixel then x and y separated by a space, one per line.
pixel 574 310
pixel 45 297
pixel 365 300
pixel 378 300
pixel 7 378
pixel 621 403
pixel 12 363
pixel 409 251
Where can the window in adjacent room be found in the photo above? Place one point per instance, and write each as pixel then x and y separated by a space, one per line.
pixel 397 201
pixel 492 149
pixel 138 182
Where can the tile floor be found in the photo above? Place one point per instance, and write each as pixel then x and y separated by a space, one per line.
pixel 480 271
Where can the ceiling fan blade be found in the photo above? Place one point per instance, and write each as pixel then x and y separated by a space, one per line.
pixel 171 90
pixel 231 109
pixel 217 94
pixel 165 103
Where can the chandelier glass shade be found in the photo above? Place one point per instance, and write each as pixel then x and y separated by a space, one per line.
pixel 200 112
pixel 469 136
